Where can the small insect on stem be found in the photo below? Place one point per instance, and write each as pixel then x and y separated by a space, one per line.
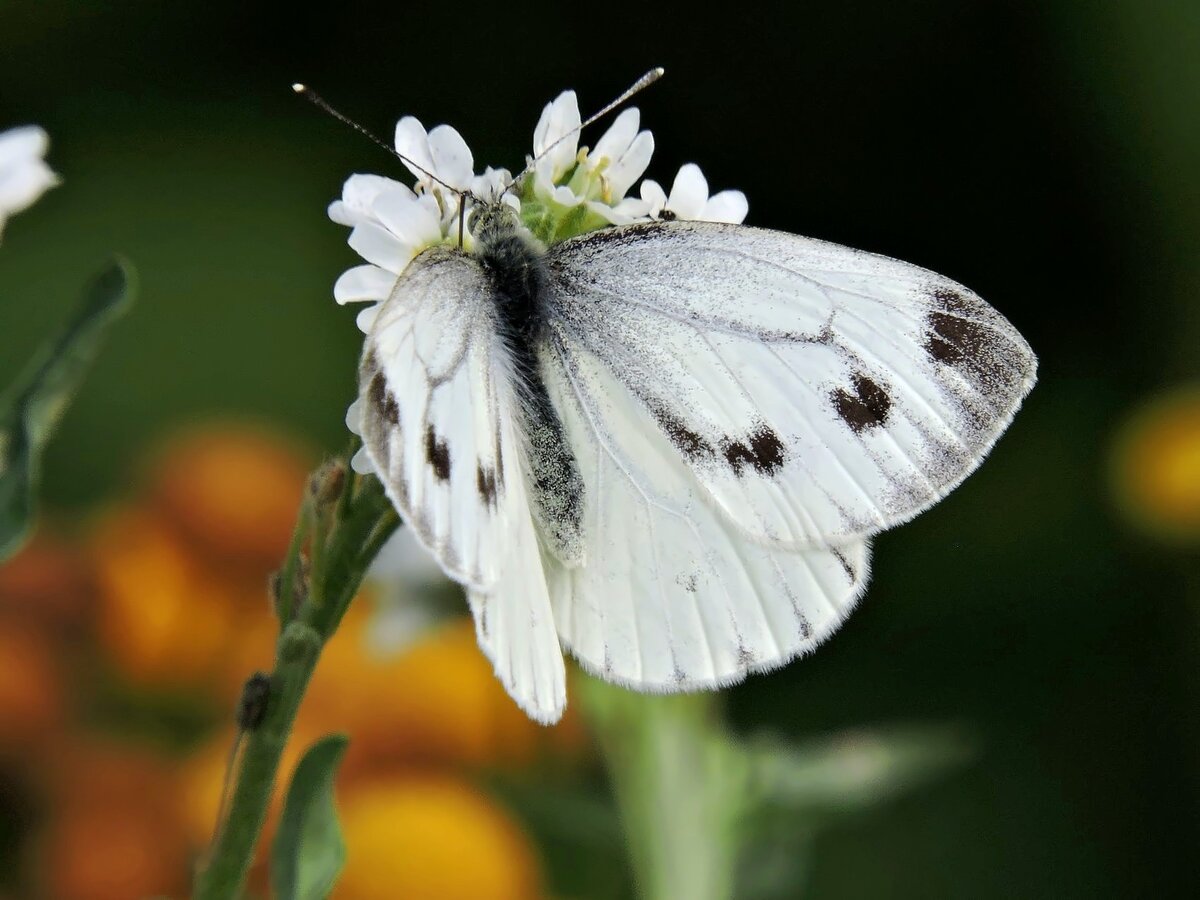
pixel 249 715
pixel 252 705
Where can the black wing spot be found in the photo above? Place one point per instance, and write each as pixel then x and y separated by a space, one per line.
pixel 952 340
pixel 437 454
pixel 763 450
pixel 391 409
pixel 688 442
pixel 867 407
pixel 377 390
pixel 485 481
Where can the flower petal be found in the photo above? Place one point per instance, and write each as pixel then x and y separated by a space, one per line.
pixel 366 319
pixel 630 166
pixel 358 193
pixel 377 245
pixel 452 160
pixel 412 142
pixel 364 283
pixel 653 194
pixel 21 144
pixel 617 139
pixel 559 118
pixel 727 206
pixel 415 220
pixel 354 417
pixel 22 184
pixel 689 193
pixel 633 209
pixel 361 463
pixel 492 184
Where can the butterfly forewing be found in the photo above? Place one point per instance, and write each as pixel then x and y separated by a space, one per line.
pixel 439 424
pixel 817 393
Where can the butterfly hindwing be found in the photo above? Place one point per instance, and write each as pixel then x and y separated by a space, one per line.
pixel 439 424
pixel 672 595
pixel 818 393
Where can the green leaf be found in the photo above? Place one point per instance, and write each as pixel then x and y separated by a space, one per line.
pixel 31 407
pixel 853 771
pixel 308 853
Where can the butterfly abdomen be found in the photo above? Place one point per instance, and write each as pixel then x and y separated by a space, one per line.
pixel 518 279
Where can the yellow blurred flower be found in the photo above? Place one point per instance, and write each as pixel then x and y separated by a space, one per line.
pixel 431 837
pixel 1156 465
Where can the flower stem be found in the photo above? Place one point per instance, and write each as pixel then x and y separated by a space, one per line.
pixel 676 780
pixel 343 534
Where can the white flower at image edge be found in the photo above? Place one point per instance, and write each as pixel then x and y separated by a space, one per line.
pixel 24 175
pixel 393 223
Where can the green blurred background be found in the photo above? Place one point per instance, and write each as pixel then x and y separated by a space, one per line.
pixel 1045 154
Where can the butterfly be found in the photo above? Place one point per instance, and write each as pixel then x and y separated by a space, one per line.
pixel 664 446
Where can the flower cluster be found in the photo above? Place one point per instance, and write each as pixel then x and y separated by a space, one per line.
pixel 24 175
pixel 566 190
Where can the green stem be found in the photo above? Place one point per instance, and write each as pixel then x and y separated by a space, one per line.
pixel 675 778
pixel 297 653
pixel 349 533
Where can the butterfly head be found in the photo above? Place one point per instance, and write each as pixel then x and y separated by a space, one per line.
pixel 489 221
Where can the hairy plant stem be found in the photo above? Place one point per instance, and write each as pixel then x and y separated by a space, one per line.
pixel 343 522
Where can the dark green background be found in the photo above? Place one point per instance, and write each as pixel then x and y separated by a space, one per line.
pixel 1046 154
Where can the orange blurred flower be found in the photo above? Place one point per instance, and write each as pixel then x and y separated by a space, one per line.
pixel 431 837
pixel 182 573
pixel 48 583
pixel 437 701
pixel 114 834
pixel 31 692
pixel 1156 465
pixel 167 619
pixel 233 492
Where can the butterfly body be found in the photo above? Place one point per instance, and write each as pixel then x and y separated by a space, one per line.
pixel 665 445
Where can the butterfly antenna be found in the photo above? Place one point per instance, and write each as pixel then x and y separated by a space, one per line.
pixel 318 101
pixel 641 84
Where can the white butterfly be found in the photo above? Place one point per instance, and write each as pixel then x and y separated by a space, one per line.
pixel 665 445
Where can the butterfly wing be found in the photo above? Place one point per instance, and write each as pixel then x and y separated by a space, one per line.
pixel 672 596
pixel 438 423
pixel 818 394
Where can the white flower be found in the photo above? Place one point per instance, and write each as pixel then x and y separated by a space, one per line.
pixel 24 175
pixel 599 178
pixel 690 200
